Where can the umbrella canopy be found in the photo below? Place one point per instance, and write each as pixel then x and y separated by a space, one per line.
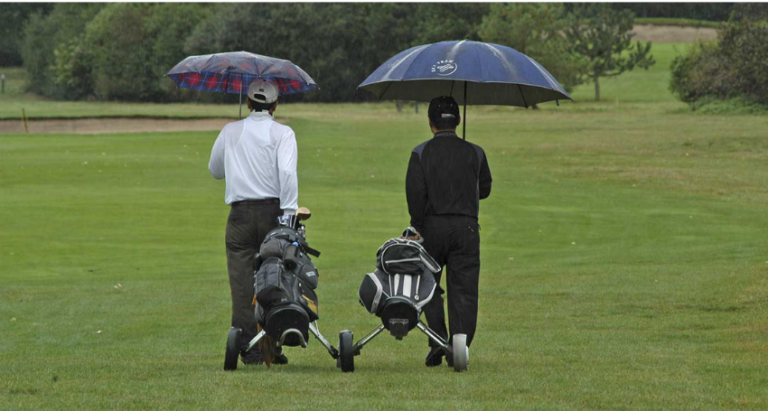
pixel 233 72
pixel 471 72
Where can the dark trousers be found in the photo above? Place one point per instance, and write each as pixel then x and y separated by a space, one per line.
pixel 454 242
pixel 249 222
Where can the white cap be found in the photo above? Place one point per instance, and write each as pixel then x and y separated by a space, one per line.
pixel 263 91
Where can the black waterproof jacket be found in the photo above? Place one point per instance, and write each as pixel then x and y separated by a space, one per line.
pixel 446 176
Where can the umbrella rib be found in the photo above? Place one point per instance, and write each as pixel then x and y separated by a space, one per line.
pixel 522 95
pixel 417 52
pixel 385 90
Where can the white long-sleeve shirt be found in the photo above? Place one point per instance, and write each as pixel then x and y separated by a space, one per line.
pixel 258 157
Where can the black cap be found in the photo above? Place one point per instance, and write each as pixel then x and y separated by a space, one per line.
pixel 443 108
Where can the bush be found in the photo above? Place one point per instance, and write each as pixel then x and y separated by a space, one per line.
pixel 736 66
pixel 738 105
pixel 72 69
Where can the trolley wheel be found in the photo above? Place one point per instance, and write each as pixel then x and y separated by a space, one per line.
pixel 346 354
pixel 460 353
pixel 233 349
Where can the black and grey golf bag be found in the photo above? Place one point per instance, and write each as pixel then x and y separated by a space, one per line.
pixel 402 284
pixel 285 279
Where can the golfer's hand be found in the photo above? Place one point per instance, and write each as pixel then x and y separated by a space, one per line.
pixel 410 233
pixel 416 237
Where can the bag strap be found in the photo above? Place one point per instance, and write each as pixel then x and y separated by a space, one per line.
pixel 311 251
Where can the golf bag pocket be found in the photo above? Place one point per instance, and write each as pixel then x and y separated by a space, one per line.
pixel 418 288
pixel 309 301
pixel 274 247
pixel 378 286
pixel 371 292
pixel 291 256
pixel 309 275
pixel 257 260
pixel 267 287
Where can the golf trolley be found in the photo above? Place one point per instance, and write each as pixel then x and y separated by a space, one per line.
pixel 402 284
pixel 285 302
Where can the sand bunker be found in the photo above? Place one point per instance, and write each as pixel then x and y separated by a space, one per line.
pixel 673 34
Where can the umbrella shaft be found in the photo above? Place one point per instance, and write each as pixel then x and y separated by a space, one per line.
pixel 464 133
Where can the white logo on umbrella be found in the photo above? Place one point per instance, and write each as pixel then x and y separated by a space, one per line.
pixel 445 67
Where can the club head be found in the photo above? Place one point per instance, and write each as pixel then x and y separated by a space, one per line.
pixel 303 214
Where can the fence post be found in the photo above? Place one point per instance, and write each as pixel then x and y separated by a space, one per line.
pixel 24 121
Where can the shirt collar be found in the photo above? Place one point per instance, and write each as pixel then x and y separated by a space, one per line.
pixel 446 134
pixel 259 115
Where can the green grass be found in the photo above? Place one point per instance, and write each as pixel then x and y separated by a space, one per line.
pixel 17 98
pixel 639 85
pixel 625 263
pixel 666 21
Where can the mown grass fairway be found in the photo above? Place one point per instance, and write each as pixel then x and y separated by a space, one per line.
pixel 624 252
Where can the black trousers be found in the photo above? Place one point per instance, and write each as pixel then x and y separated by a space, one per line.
pixel 454 242
pixel 249 222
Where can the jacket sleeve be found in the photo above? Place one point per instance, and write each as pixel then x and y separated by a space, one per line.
pixel 216 165
pixel 416 192
pixel 485 178
pixel 287 159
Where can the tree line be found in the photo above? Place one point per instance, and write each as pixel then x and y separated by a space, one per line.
pixel 121 51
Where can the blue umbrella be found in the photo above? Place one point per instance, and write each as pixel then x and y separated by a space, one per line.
pixel 234 71
pixel 469 71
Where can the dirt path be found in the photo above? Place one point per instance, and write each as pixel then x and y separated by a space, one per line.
pixel 673 34
pixel 113 125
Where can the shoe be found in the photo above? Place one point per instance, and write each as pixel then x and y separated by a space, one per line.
pixel 435 357
pixel 280 358
pixel 252 357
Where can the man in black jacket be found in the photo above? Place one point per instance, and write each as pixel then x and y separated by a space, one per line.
pixel 447 177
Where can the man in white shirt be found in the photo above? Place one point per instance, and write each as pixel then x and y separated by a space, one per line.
pixel 257 156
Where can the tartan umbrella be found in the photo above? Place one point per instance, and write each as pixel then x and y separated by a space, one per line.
pixel 233 72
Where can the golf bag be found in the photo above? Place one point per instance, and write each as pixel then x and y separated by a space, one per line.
pixel 402 284
pixel 285 279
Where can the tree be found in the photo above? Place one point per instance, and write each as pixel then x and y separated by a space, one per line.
pixel 535 29
pixel 338 44
pixel 698 11
pixel 13 17
pixel 603 35
pixel 749 11
pixel 43 34
pixel 435 22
